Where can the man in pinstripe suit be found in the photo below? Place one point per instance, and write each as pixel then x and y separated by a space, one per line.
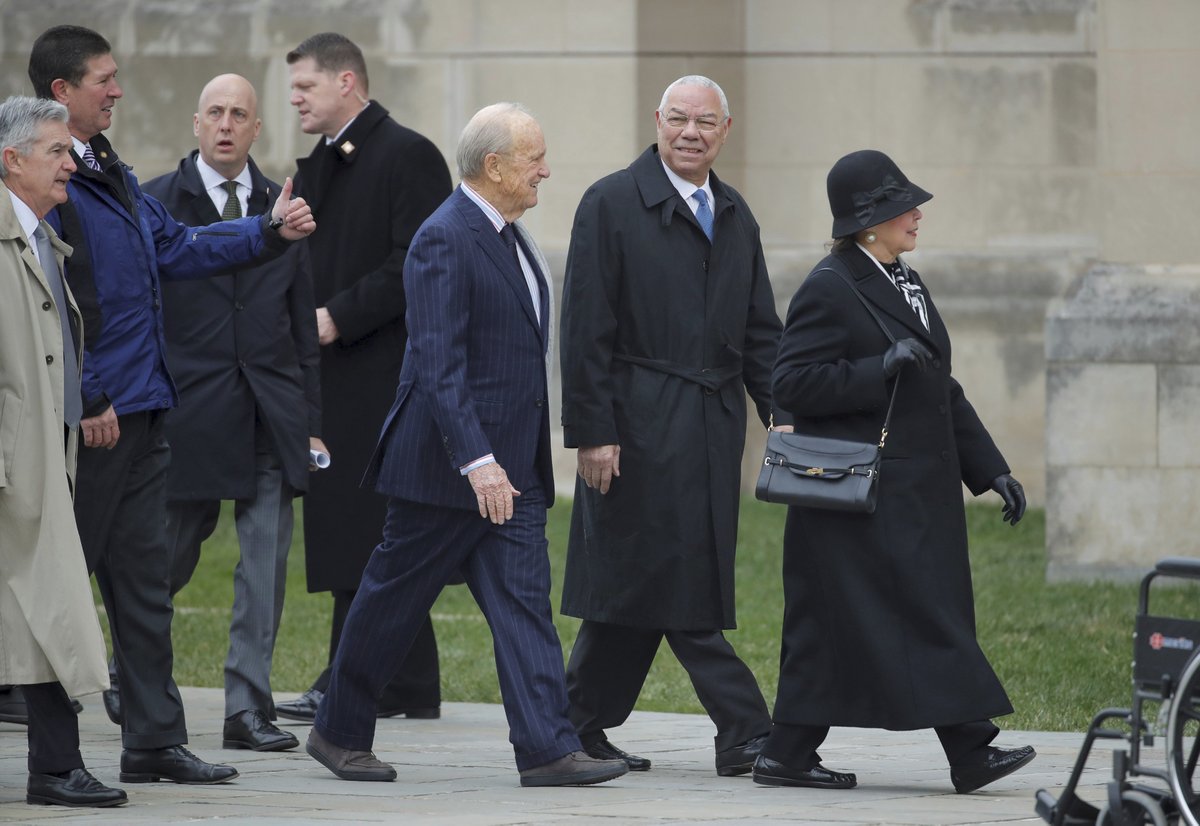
pixel 465 459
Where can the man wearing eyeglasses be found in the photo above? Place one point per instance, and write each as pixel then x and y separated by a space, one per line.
pixel 667 315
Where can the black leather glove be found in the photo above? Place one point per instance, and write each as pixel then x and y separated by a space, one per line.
pixel 906 351
pixel 1013 494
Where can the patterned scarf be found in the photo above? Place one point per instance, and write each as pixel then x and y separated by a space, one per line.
pixel 909 288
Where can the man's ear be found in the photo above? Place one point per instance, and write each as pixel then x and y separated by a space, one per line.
pixel 10 158
pixel 491 167
pixel 59 88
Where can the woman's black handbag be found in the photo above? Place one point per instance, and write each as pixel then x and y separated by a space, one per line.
pixel 818 472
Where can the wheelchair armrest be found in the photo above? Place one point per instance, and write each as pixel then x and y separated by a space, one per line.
pixel 1179 566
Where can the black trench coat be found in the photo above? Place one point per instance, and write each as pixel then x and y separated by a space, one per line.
pixel 370 192
pixel 238 345
pixel 661 331
pixel 879 623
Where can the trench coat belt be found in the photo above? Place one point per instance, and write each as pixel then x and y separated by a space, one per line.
pixel 710 378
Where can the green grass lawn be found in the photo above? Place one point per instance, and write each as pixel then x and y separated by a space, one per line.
pixel 1063 651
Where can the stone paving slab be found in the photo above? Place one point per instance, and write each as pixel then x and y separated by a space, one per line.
pixel 459 770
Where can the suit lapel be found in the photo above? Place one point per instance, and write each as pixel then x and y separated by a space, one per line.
pixel 494 247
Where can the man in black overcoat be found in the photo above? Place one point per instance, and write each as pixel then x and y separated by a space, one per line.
pixel 668 320
pixel 249 339
pixel 374 182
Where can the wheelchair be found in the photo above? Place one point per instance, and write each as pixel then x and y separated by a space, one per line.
pixel 1166 676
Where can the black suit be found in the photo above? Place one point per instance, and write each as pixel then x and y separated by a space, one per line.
pixel 247 338
pixel 369 191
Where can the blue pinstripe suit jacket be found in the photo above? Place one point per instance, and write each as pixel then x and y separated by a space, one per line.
pixel 474 377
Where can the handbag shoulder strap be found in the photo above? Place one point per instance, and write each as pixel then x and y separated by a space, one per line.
pixel 841 273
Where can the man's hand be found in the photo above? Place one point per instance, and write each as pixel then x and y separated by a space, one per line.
pixel 327 331
pixel 493 492
pixel 102 430
pixel 297 215
pixel 315 443
pixel 598 465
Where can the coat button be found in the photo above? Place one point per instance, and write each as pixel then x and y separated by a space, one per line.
pixel 238 306
pixel 46 305
pixel 945 456
pixel 538 403
pixel 49 359
pixel 937 363
pixel 942 409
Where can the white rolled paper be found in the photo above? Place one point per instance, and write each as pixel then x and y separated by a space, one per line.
pixel 319 458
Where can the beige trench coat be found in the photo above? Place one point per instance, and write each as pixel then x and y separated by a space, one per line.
pixel 48 625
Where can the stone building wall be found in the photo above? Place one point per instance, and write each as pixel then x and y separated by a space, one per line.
pixel 990 104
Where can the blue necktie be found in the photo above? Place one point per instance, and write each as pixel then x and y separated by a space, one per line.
pixel 703 213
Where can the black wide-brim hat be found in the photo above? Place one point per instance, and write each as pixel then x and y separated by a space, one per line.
pixel 865 189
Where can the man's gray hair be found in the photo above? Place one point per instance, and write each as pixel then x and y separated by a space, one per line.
pixel 490 130
pixel 697 80
pixel 20 119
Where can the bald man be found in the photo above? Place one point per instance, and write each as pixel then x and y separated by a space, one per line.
pixel 243 349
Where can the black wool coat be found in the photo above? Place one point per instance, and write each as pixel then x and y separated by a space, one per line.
pixel 237 342
pixel 370 192
pixel 663 334
pixel 879 619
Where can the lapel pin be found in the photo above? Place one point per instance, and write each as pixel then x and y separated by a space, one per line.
pixel 347 147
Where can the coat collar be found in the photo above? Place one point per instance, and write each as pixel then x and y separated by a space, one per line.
pixel 657 190
pixel 349 143
pixel 881 292
pixel 191 183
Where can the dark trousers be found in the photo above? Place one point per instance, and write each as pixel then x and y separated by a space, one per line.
pixel 264 529
pixel 53 729
pixel 508 571
pixel 120 507
pixel 609 664
pixel 796 746
pixel 417 684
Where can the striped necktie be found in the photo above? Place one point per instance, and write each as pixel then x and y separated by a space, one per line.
pixel 89 157
pixel 233 207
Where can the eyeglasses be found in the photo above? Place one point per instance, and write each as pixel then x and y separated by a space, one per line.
pixel 681 122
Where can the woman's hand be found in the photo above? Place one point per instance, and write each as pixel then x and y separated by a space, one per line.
pixel 906 351
pixel 1013 494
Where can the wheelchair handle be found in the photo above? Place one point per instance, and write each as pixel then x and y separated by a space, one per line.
pixel 1179 567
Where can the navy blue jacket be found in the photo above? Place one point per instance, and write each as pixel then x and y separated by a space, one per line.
pixel 474 375
pixel 133 242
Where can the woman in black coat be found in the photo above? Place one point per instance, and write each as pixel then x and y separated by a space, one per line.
pixel 879 618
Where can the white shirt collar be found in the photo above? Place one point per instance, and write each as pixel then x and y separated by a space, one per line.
pixel 213 179
pixel 25 216
pixel 882 268
pixel 687 189
pixel 490 211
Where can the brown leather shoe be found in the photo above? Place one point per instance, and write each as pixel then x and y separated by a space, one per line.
pixel 348 764
pixel 574 769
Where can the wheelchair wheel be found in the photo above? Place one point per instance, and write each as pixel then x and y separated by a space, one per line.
pixel 1183 741
pixel 1136 808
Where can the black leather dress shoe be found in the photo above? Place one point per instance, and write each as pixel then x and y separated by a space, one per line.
pixel 112 705
pixel 770 772
pixel 74 788
pixel 604 750
pixel 431 713
pixel 303 707
pixel 740 759
pixel 174 763
pixel 987 765
pixel 252 730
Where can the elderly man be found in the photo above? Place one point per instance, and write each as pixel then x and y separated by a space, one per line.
pixel 373 182
pixel 667 315
pixel 125 243
pixel 465 458
pixel 47 621
pixel 249 339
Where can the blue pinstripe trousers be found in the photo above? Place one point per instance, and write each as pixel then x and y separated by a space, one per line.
pixel 508 571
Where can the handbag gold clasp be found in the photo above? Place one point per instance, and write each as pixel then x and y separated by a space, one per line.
pixel 815 471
